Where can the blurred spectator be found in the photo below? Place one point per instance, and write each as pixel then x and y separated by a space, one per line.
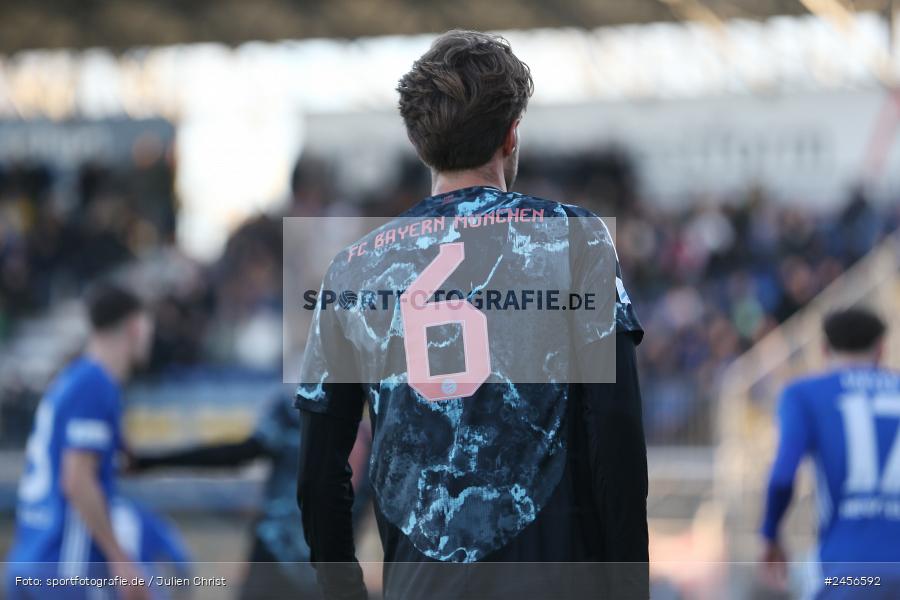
pixel 51 245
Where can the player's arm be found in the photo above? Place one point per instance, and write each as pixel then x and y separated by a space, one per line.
pixel 617 465
pixel 81 487
pixel 325 493
pixel 83 490
pixel 331 402
pixel 91 433
pixel 204 456
pixel 618 454
pixel 793 443
pixel 268 439
pixel 611 412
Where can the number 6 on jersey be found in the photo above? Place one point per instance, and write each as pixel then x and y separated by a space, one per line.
pixel 417 320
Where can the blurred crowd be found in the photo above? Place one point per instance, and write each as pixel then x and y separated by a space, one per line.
pixel 711 278
pixel 60 228
pixel 708 280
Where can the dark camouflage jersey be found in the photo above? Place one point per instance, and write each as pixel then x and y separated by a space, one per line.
pixel 462 476
pixel 278 525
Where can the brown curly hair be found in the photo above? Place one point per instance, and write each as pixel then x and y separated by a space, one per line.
pixel 460 98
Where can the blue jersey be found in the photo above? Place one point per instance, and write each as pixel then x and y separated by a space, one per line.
pixel 847 422
pixel 81 411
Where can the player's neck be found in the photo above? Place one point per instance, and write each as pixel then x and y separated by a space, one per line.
pixel 848 360
pixel 108 353
pixel 443 182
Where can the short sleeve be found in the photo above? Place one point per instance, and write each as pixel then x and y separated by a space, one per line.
pixel 314 368
pixel 329 377
pixel 92 419
pixel 594 274
pixel 626 318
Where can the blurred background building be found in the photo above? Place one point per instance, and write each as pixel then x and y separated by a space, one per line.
pixel 749 150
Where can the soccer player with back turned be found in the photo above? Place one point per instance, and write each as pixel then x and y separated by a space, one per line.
pixel 473 478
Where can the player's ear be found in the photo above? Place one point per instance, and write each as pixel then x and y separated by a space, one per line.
pixel 878 354
pixel 135 326
pixel 511 141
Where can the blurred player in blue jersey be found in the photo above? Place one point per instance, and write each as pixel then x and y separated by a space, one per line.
pixel 63 519
pixel 846 420
pixel 495 446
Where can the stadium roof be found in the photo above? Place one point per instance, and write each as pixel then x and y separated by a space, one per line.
pixel 129 23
